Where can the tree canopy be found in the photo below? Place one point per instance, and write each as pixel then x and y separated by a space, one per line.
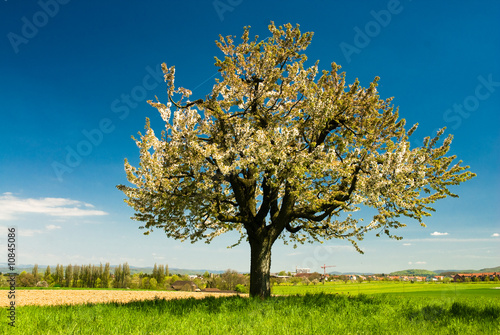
pixel 280 150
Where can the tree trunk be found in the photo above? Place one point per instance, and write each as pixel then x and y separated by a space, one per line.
pixel 260 267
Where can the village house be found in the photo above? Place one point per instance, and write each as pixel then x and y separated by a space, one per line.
pixel 309 276
pixel 185 285
pixel 373 277
pixel 461 277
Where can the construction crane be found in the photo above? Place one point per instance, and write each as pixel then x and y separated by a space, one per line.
pixel 324 269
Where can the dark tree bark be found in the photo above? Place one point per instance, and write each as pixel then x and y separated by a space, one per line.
pixel 260 267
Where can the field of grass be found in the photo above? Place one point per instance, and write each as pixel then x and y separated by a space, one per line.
pixel 474 312
pixel 394 288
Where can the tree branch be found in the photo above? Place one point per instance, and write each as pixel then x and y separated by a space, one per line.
pixel 189 104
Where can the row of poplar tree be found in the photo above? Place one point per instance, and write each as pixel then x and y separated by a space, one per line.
pixel 89 276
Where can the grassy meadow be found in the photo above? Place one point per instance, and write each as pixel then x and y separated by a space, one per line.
pixel 371 308
pixel 437 289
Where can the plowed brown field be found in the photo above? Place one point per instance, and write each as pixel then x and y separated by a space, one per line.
pixel 75 297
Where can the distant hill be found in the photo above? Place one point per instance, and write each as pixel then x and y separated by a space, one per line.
pixel 414 272
pixel 448 272
pixel 495 269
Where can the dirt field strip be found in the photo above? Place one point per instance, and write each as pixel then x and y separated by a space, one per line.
pixel 75 297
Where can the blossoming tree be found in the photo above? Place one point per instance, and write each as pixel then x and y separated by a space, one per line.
pixel 277 150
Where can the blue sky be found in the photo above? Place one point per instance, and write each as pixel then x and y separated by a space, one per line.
pixel 75 77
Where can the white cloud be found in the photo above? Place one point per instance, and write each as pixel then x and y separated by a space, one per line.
pixel 30 232
pixel 33 232
pixel 436 233
pixel 406 244
pixel 495 235
pixel 11 207
pixel 420 262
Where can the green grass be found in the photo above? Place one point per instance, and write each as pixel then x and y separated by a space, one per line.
pixel 395 288
pixel 474 311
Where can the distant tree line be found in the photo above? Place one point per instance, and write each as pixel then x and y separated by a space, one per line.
pixel 103 276
pixel 84 276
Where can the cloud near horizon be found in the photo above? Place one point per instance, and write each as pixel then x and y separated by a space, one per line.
pixel 436 233
pixel 495 235
pixel 11 207
pixel 32 232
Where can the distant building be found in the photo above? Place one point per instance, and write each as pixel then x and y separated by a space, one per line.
pixel 185 285
pixel 275 275
pixel 302 270
pixel 460 277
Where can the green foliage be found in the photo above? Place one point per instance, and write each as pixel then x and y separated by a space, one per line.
pixel 229 280
pixel 89 276
pixel 145 283
pixel 26 279
pixel 241 288
pixel 35 273
pixel 48 275
pixel 48 278
pixel 122 276
pixel 68 277
pixel 153 284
